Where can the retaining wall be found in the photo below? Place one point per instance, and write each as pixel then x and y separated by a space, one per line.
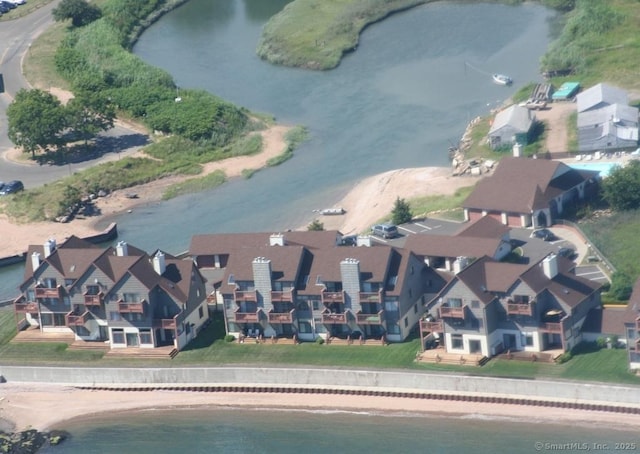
pixel 380 381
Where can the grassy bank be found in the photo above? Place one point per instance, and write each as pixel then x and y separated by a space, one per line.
pixel 209 349
pixel 314 34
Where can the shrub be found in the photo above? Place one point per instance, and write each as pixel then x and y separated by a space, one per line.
pixel 319 341
pixel 229 338
pixel 601 342
pixel 566 356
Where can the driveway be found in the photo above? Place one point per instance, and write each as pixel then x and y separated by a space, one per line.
pixel 15 39
pixel 556 117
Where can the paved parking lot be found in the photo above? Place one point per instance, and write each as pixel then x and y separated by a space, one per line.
pixel 534 249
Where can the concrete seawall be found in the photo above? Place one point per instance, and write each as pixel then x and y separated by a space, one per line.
pixel 359 380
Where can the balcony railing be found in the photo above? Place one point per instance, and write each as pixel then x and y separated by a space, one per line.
pixel 94 300
pixel 73 319
pixel 282 317
pixel 333 297
pixel 370 297
pixel 246 317
pixel 284 296
pixel 638 324
pixel 370 319
pixel 245 295
pixel 520 309
pixel 550 327
pixel 164 323
pixel 334 319
pixel 452 312
pixel 31 307
pixel 137 308
pixel 431 327
pixel 45 292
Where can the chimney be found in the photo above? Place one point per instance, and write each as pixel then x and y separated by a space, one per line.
pixel 550 266
pixel 158 263
pixel 277 239
pixel 363 240
pixel 49 247
pixel 35 260
pixel 122 249
pixel 459 264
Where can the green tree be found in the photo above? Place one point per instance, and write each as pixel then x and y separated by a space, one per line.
pixel 89 114
pixel 401 212
pixel 36 119
pixel 315 226
pixel 621 189
pixel 79 11
pixel 621 286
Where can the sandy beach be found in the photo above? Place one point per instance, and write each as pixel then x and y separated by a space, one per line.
pixel 45 407
pixel 368 201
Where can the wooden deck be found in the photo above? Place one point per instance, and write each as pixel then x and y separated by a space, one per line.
pixel 340 341
pixel 166 352
pixel 32 334
pixel 440 356
pixel 89 345
pixel 547 356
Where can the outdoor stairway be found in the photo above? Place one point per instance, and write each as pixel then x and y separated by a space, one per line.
pixel 87 345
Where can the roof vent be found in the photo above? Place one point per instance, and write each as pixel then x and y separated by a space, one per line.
pixel 277 239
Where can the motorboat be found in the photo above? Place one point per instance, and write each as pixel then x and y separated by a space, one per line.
pixel 501 79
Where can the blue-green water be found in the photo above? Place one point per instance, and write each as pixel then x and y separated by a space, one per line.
pixel 276 431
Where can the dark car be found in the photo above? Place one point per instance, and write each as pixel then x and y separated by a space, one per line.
pixel 4 9
pixel 8 4
pixel 543 234
pixel 11 187
pixel 567 252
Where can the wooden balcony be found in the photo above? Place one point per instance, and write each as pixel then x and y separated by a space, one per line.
pixel 164 323
pixel 246 317
pixel 45 292
pixel 334 319
pixel 282 317
pixel 131 308
pixel 245 295
pixel 72 319
pixel 370 319
pixel 332 297
pixel 520 309
pixel 94 300
pixel 431 327
pixel 452 312
pixel 370 297
pixel 285 296
pixel 551 328
pixel 30 307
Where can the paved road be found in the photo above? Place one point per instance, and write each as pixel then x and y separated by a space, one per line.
pixel 15 39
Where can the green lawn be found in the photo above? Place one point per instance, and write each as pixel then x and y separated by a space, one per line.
pixel 210 349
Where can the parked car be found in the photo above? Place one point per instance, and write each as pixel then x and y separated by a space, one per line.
pixel 9 5
pixel 386 231
pixel 543 234
pixel 11 187
pixel 567 252
pixel 4 9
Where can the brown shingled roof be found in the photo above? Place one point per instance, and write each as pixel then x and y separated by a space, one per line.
pixel 521 185
pixel 484 227
pixel 452 246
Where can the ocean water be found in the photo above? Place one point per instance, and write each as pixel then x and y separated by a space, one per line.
pixel 232 430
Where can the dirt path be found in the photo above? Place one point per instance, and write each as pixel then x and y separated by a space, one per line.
pixel 556 117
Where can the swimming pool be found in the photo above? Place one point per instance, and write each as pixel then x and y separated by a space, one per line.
pixel 605 168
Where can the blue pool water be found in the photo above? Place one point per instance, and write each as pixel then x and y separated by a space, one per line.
pixel 605 168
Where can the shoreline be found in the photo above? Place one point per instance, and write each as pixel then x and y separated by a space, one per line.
pixel 51 406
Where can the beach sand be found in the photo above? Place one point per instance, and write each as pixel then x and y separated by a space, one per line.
pixel 48 406
pixel 367 202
